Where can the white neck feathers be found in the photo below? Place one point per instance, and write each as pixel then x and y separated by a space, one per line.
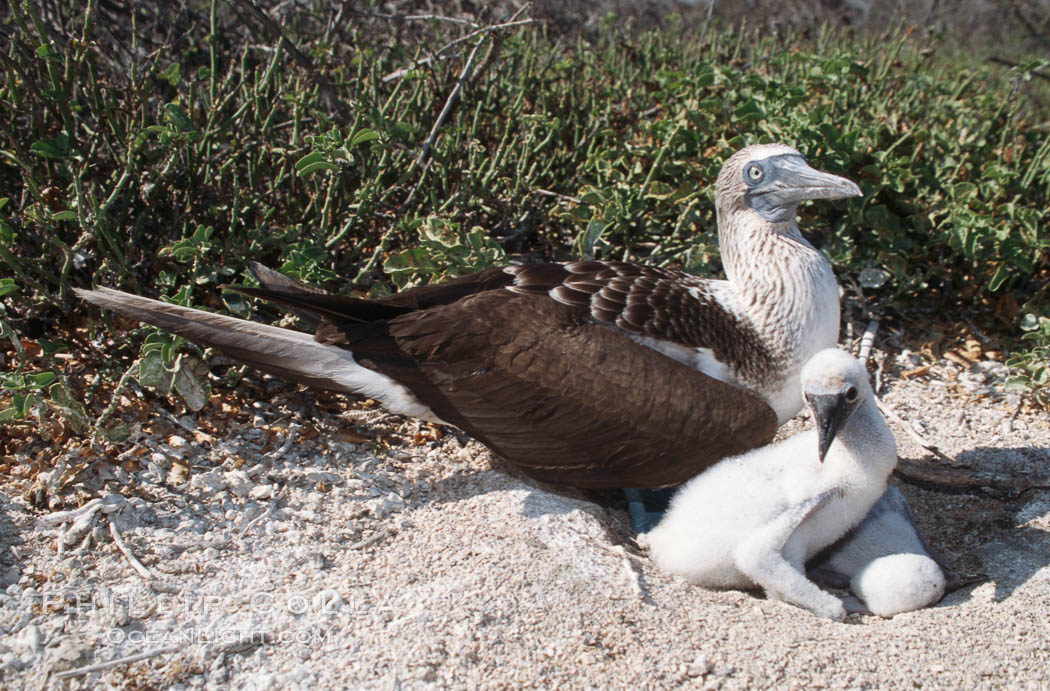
pixel 786 289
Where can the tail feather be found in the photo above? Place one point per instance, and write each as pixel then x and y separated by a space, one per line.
pixel 315 305
pixel 269 278
pixel 284 353
pixel 275 280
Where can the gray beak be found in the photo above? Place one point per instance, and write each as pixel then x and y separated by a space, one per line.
pixel 830 411
pixel 796 182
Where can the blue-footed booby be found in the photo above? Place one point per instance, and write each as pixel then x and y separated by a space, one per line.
pixel 756 519
pixel 591 373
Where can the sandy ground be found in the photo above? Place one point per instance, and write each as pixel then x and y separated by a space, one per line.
pixel 328 563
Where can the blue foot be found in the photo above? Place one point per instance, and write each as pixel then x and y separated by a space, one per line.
pixel 647 506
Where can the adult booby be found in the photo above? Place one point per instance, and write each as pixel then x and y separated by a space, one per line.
pixel 754 520
pixel 591 374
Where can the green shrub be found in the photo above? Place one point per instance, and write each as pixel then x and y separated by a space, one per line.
pixel 164 170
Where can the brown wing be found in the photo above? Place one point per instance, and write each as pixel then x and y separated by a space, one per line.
pixel 567 400
pixel 659 303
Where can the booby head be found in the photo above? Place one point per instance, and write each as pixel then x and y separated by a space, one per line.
pixel 772 180
pixel 834 385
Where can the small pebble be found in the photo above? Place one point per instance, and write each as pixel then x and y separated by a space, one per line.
pixel 30 639
pixel 261 492
pixel 699 666
pixel 12 575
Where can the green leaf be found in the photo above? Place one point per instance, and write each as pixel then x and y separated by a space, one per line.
pixel 410 260
pixel 67 215
pixel 55 149
pixel 12 382
pixel 60 394
pixel 361 137
pixel 1015 384
pixel 178 117
pixel 171 74
pixel 50 347
pixel 72 411
pixel 191 382
pixel 595 229
pixel 237 303
pixel 203 233
pixel 749 112
pixel 313 162
pixel 9 415
pixel 1002 272
pixel 963 191
pixel 705 75
pixel 152 374
pixel 40 380
pixel 404 131
pixel 7 286
pixel 23 403
pixel 46 52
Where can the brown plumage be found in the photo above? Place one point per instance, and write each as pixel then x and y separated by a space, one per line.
pixel 554 392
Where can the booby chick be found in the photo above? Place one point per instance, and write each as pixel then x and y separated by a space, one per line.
pixel 754 520
pixel 588 374
pixel 884 561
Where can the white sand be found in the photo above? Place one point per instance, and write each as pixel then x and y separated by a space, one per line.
pixel 431 566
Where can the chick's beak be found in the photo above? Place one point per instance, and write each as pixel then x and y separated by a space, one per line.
pixel 830 411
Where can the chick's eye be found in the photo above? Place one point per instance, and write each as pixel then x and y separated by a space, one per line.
pixel 851 394
pixel 754 173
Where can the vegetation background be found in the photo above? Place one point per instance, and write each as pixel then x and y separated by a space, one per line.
pixel 366 146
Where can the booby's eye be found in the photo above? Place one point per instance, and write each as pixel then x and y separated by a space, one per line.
pixel 754 173
pixel 851 394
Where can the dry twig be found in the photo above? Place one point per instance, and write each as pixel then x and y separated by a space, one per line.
pixel 260 518
pixel 135 563
pixel 954 478
pixel 466 73
pixel 557 195
pixel 102 666
pixel 449 102
pixel 369 541
pixel 867 341
pixel 293 432
pixel 276 33
pixel 413 17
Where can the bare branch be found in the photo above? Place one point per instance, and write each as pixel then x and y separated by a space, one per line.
pixel 956 479
pixel 1011 63
pixel 449 102
pixel 867 341
pixel 102 666
pixel 328 95
pixel 413 17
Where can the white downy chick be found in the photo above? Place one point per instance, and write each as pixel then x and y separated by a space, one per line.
pixel 755 519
